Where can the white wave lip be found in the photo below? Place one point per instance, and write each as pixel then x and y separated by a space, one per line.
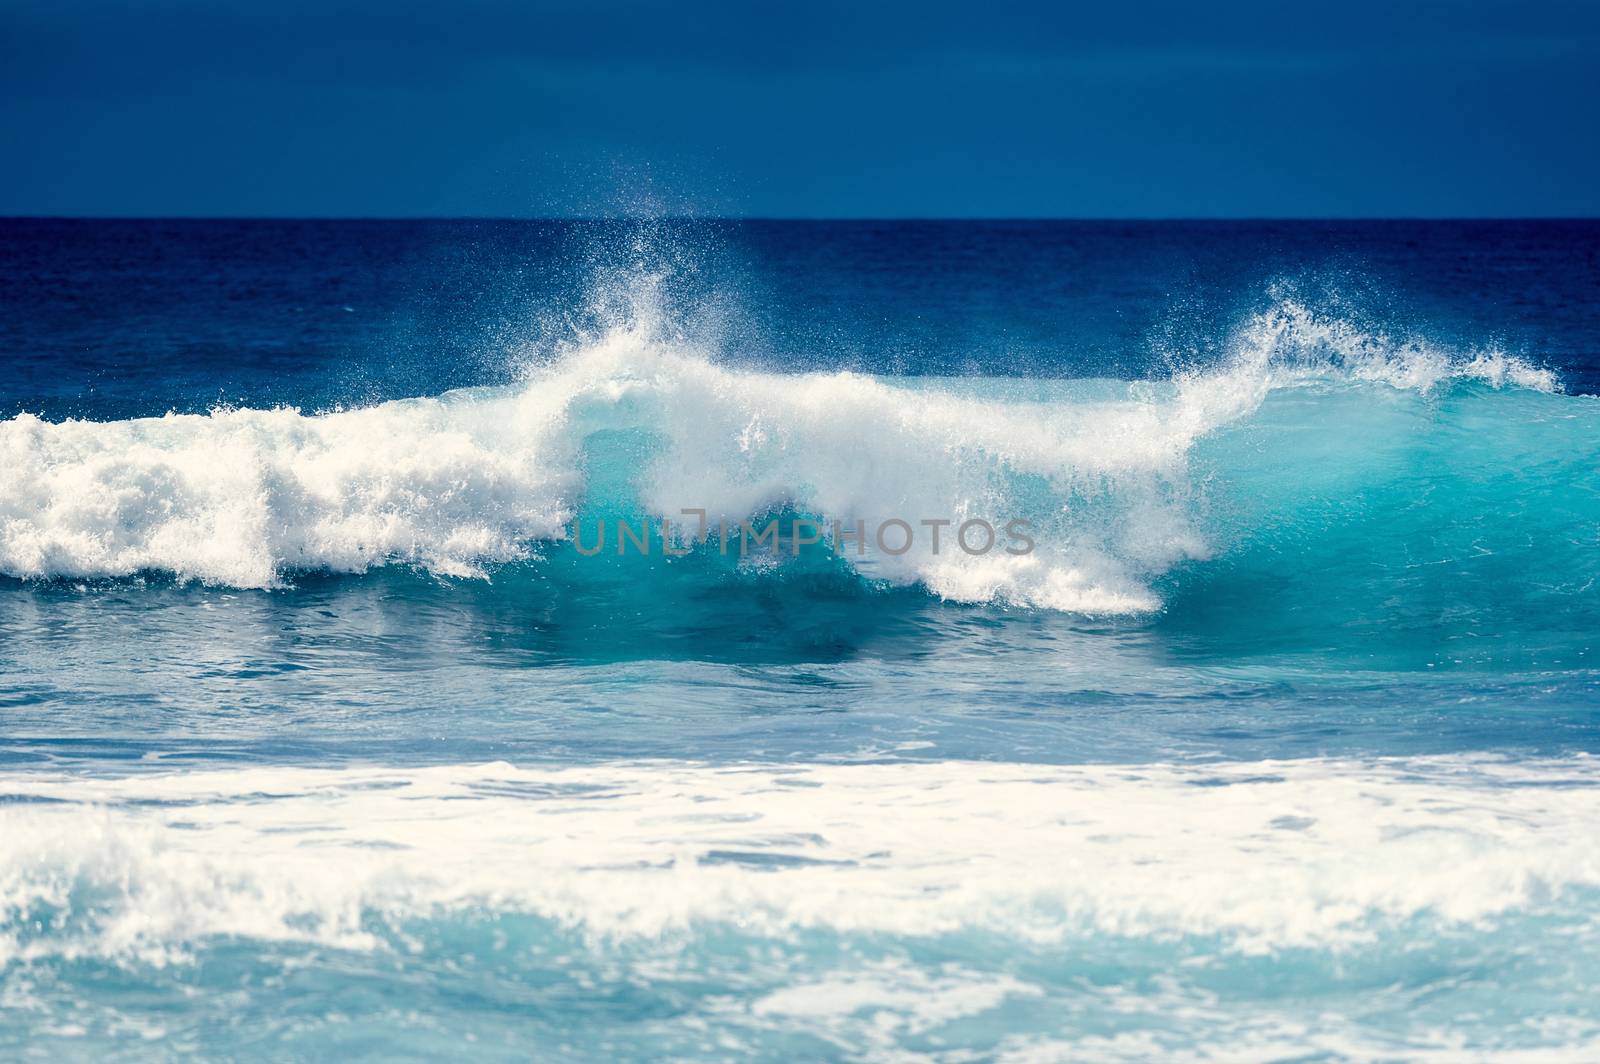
pixel 1262 856
pixel 463 481
pixel 854 449
pixel 1294 341
pixel 459 483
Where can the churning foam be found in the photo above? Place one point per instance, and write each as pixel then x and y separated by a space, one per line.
pixel 462 482
pixel 240 496
pixel 1316 854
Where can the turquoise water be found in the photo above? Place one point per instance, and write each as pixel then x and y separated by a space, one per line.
pixel 321 738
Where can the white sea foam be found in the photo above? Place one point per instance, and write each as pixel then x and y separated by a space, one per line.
pixel 1259 857
pixel 240 496
pixel 461 482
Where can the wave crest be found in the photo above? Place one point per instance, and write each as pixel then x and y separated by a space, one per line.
pixel 1102 471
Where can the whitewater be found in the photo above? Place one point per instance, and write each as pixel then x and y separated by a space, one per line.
pixel 1032 880
pixel 468 481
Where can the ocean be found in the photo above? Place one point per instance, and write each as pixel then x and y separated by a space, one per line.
pixel 521 640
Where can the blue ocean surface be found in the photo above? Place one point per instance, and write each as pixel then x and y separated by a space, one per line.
pixel 326 732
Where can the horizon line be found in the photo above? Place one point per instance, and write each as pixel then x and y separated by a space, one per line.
pixel 865 218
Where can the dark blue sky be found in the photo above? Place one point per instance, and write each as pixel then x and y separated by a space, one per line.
pixel 206 107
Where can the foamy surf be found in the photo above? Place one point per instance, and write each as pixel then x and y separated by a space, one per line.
pixel 465 482
pixel 838 882
pixel 1263 856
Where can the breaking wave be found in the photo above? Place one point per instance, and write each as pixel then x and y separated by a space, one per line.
pixel 1119 481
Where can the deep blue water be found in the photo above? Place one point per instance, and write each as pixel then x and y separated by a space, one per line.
pixel 320 737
